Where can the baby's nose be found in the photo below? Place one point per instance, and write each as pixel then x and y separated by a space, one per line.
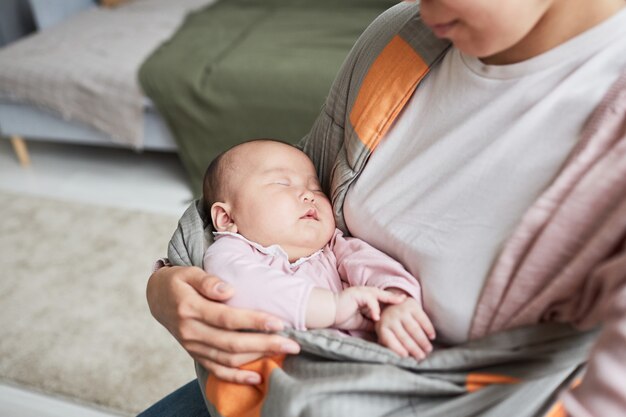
pixel 308 195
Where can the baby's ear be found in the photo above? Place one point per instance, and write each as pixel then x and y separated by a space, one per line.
pixel 222 220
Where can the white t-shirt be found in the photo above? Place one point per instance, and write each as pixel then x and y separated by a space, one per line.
pixel 471 151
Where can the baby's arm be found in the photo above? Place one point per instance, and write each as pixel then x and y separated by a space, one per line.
pixel 354 308
pixel 359 263
pixel 294 299
pixel 404 328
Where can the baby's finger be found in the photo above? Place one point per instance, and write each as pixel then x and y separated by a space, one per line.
pixel 408 342
pixel 425 323
pixel 373 307
pixel 389 297
pixel 417 334
pixel 366 325
pixel 387 338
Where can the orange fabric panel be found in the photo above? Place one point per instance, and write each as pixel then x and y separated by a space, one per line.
pixel 237 400
pixel 474 382
pixel 387 86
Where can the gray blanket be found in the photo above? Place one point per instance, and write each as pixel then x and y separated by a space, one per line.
pixel 514 373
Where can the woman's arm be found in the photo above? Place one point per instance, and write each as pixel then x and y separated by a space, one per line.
pixel 189 304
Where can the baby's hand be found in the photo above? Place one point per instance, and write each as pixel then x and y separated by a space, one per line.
pixel 357 307
pixel 406 329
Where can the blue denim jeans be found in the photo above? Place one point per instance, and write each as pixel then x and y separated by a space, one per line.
pixel 186 401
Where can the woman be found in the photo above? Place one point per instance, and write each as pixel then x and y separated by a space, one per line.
pixel 482 154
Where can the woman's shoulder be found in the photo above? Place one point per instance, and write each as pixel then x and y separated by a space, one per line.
pixel 387 25
pixel 404 20
pixel 395 17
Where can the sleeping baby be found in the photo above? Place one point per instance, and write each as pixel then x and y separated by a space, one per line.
pixel 277 245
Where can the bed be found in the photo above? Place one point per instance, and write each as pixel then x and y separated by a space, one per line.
pixel 49 78
pixel 191 76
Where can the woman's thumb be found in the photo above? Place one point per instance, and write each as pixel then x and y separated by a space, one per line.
pixel 211 287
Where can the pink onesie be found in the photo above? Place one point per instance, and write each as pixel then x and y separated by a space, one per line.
pixel 265 280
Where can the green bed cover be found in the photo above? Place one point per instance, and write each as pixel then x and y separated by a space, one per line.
pixel 243 69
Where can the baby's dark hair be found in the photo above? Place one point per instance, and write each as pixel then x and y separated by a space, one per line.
pixel 216 177
pixel 213 187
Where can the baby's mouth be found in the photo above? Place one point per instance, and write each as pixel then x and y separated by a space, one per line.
pixel 311 214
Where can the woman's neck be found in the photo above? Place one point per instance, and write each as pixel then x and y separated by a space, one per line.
pixel 564 20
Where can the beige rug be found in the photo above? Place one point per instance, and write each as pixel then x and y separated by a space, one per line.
pixel 74 321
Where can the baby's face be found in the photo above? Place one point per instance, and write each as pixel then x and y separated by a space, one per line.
pixel 277 199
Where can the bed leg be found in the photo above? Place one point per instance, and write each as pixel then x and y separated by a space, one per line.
pixel 20 149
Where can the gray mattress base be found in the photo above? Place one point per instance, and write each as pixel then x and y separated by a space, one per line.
pixel 34 123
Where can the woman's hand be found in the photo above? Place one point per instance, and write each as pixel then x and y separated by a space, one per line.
pixel 188 302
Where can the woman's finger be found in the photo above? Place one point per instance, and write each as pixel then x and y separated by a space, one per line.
pixel 225 317
pixel 235 375
pixel 202 352
pixel 210 286
pixel 194 331
pixel 195 292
